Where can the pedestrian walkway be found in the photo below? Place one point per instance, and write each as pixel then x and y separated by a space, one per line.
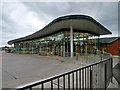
pixel 20 69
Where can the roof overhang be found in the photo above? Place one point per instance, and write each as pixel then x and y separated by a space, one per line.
pixel 80 23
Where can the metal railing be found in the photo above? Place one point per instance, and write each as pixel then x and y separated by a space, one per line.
pixel 96 75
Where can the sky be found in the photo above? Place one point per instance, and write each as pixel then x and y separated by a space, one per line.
pixel 23 18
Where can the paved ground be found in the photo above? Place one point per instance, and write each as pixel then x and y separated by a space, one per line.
pixel 19 69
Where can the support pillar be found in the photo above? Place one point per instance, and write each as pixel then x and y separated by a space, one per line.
pixel 64 46
pixel 71 40
pixel 32 48
pixel 86 45
pixel 98 42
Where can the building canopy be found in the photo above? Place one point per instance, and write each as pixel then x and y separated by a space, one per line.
pixel 80 23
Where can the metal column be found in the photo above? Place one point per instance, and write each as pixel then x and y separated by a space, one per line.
pixel 71 40
pixel 98 42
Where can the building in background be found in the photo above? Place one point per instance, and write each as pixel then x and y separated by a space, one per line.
pixel 110 45
pixel 64 35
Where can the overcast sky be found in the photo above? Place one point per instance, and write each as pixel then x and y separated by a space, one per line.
pixel 24 18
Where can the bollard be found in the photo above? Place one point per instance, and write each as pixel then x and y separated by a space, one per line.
pixel 76 56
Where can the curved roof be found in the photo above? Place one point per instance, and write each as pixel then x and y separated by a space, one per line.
pixel 81 23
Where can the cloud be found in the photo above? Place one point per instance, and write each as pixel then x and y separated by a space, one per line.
pixel 21 19
pixel 17 21
pixel 104 12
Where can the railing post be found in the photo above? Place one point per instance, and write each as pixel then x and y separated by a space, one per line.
pixel 111 69
pixel 30 88
pixel 105 75
pixel 91 79
pixel 73 80
pixel 58 83
pixel 76 80
pixel 64 82
pixel 80 79
pixel 42 86
pixel 68 81
pixel 83 78
pixel 51 84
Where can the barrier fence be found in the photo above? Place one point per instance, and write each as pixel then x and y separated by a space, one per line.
pixel 96 75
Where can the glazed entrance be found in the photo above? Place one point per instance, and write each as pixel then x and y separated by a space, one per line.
pixel 59 44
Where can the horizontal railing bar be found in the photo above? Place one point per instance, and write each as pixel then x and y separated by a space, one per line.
pixel 56 76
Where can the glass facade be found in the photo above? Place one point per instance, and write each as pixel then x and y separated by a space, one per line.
pixel 59 44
